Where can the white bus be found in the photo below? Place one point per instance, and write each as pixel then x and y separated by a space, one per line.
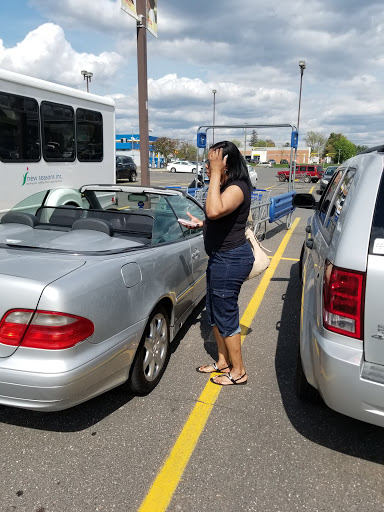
pixel 52 136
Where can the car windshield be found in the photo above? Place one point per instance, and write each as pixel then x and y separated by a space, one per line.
pixel 330 171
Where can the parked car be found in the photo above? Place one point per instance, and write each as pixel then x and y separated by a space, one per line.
pixel 252 175
pixel 272 161
pixel 181 166
pixel 329 172
pixel 306 172
pixel 91 297
pixel 341 350
pixel 284 161
pixel 125 168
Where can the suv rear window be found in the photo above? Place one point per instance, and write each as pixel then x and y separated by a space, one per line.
pixel 376 243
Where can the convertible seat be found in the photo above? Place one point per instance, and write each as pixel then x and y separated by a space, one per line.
pixel 95 225
pixel 19 218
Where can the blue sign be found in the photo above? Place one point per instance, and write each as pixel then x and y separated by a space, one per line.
pixel 294 139
pixel 201 140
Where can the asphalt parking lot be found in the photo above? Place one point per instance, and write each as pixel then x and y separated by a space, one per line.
pixel 193 446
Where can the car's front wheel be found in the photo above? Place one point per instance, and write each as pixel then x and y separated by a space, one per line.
pixel 282 177
pixel 172 169
pixel 307 179
pixel 152 354
pixel 133 176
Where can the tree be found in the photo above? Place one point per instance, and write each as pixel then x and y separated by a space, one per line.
pixel 359 148
pixel 165 146
pixel 187 151
pixel 269 143
pixel 339 147
pixel 316 141
pixel 253 141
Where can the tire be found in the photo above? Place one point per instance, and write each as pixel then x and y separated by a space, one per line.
pixel 173 169
pixel 281 177
pixel 152 355
pixel 133 176
pixel 194 171
pixel 307 179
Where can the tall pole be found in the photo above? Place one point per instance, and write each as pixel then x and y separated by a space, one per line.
pixel 142 81
pixel 214 110
pixel 302 66
pixel 245 141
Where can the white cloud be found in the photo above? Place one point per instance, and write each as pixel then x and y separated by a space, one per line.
pixel 45 53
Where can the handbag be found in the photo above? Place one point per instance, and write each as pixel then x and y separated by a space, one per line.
pixel 261 259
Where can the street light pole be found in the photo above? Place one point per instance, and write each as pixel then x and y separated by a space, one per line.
pixel 245 141
pixel 214 109
pixel 338 160
pixel 302 66
pixel 87 76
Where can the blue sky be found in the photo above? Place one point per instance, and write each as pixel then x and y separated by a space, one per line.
pixel 247 50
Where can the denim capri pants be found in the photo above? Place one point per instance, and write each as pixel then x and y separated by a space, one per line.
pixel 226 272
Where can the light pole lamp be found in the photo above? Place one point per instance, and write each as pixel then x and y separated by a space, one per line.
pixel 214 109
pixel 302 66
pixel 87 76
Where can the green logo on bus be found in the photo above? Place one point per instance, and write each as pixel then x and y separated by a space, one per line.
pixel 24 178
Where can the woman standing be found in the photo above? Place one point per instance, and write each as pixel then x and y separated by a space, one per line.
pixel 230 256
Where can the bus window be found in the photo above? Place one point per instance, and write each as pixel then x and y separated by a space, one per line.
pixel 19 128
pixel 89 135
pixel 58 130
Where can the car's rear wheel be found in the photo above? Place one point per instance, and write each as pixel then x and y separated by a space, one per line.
pixel 281 177
pixel 173 169
pixel 194 171
pixel 307 179
pixel 152 354
pixel 133 176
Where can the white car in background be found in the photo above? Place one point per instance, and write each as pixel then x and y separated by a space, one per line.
pixel 181 166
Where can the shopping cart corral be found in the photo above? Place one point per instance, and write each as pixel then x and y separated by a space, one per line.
pixel 263 208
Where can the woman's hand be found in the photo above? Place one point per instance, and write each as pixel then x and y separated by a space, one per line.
pixel 195 220
pixel 217 164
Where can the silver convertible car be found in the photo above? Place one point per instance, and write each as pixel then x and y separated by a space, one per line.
pixel 95 283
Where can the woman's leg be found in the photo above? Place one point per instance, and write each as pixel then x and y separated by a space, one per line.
pixel 233 345
pixel 223 360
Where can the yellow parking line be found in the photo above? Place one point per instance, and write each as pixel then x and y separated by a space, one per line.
pixel 168 478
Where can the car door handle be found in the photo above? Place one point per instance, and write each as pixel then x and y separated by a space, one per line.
pixel 196 254
pixel 309 243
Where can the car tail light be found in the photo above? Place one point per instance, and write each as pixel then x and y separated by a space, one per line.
pixel 343 301
pixel 43 329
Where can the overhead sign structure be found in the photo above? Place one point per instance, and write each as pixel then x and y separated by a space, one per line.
pixel 129 6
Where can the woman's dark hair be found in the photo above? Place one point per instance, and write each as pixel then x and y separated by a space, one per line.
pixel 237 167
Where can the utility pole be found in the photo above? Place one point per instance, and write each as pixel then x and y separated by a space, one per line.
pixel 142 76
pixel 338 160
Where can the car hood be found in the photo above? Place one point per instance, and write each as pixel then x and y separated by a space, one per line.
pixel 23 278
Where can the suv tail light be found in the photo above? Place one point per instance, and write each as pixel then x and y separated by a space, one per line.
pixel 43 329
pixel 343 301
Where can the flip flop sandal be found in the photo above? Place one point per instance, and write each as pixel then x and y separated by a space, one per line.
pixel 214 365
pixel 234 381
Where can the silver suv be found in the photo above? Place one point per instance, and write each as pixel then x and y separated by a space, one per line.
pixel 341 350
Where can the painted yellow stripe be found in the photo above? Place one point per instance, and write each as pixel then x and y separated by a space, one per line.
pixel 168 478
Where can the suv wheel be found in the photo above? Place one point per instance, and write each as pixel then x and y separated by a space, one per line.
pixel 307 179
pixel 133 176
pixel 304 391
pixel 282 177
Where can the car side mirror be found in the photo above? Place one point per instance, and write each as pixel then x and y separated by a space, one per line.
pixel 304 201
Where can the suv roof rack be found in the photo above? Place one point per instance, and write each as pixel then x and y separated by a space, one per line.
pixel 379 149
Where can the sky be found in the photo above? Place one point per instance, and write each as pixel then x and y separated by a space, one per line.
pixel 248 51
